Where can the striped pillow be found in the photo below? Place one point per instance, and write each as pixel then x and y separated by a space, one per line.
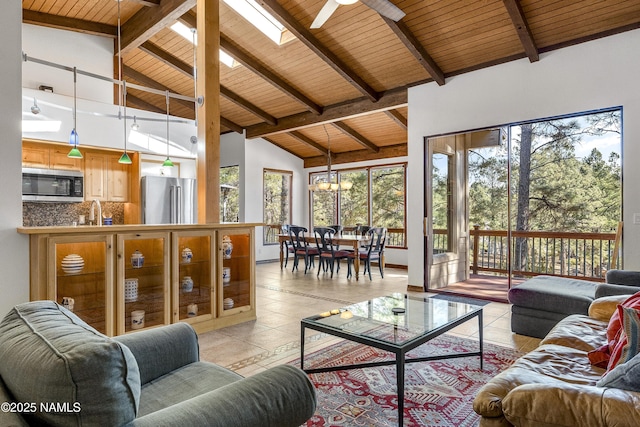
pixel 629 343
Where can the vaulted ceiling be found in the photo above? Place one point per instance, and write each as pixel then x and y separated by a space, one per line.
pixel 344 84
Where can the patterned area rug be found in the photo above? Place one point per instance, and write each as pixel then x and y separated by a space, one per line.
pixel 437 393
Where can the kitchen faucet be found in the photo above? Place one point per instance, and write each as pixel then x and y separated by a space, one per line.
pixel 95 202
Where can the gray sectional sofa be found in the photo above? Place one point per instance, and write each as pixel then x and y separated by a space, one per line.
pixel 56 370
pixel 538 304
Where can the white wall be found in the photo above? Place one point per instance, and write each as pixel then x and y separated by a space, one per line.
pixel 259 155
pixel 69 48
pixel 392 256
pixel 14 249
pixel 599 74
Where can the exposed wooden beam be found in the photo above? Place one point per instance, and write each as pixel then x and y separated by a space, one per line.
pixel 356 136
pixel 399 150
pixel 237 99
pixel 143 105
pixel 189 19
pixel 310 142
pixel 231 125
pixel 522 28
pixel 398 118
pixel 417 50
pixel 167 58
pixel 260 69
pixel 150 20
pixel 64 23
pixel 356 107
pixel 149 82
pixel 306 37
pixel 150 3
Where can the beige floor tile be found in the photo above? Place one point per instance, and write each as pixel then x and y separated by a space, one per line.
pixel 284 298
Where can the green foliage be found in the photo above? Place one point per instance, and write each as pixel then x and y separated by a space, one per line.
pixel 229 197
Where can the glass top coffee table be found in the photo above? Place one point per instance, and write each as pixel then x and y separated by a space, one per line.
pixel 395 323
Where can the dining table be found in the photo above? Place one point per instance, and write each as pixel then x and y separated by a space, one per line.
pixel 353 241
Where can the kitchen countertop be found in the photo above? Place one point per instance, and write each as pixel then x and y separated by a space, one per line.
pixel 130 228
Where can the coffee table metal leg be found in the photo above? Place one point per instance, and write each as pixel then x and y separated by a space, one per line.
pixel 302 347
pixel 480 339
pixel 400 383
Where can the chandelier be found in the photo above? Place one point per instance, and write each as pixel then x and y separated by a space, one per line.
pixel 327 184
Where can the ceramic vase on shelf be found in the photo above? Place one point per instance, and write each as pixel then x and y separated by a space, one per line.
pixel 137 259
pixel 130 290
pixel 226 276
pixel 187 255
pixel 187 284
pixel 137 319
pixel 227 246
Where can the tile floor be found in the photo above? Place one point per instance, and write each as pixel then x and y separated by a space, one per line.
pixel 284 297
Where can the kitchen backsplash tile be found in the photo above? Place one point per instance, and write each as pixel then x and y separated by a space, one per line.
pixel 64 214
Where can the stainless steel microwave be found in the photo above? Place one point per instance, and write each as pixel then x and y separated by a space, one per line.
pixel 52 185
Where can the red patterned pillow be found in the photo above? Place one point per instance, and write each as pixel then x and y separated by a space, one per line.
pixel 629 343
pixel 613 330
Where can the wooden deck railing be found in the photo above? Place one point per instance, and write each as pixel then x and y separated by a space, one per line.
pixel 578 255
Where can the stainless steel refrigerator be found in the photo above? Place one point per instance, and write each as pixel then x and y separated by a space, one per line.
pixel 168 200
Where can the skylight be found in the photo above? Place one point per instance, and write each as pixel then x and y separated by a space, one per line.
pixel 185 32
pixel 261 19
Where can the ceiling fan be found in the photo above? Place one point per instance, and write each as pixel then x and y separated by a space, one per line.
pixel 383 7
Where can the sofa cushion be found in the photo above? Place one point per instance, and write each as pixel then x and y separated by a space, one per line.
pixel 554 294
pixel 51 357
pixel 183 384
pixel 615 323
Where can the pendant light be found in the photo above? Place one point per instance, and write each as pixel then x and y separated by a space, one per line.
pixel 124 159
pixel 328 184
pixel 168 162
pixel 73 138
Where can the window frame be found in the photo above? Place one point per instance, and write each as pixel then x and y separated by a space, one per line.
pixel 268 228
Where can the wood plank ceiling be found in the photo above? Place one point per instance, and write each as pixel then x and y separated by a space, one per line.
pixel 344 83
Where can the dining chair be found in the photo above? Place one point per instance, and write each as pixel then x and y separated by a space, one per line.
pixel 329 252
pixel 288 248
pixel 337 228
pixel 373 250
pixel 301 248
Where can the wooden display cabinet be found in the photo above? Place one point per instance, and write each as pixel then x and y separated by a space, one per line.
pixel 193 300
pixel 91 285
pixel 151 292
pixel 236 272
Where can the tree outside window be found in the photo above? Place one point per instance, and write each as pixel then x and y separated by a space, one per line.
pixel 229 194
pixel 277 203
pixel 376 198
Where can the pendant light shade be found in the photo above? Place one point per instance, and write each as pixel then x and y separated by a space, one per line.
pixel 328 184
pixel 125 159
pixel 73 138
pixel 167 162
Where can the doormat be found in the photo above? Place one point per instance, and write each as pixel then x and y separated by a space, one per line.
pixel 437 393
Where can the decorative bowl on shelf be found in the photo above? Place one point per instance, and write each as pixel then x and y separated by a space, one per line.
pixel 227 303
pixel 72 264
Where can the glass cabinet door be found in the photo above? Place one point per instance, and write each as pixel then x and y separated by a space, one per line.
pixel 235 271
pixel 142 296
pixel 192 280
pixel 81 278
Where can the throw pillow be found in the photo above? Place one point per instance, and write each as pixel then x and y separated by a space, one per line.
pixel 625 376
pixel 629 343
pixel 613 329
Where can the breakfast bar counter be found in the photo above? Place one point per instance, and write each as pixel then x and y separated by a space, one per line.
pixel 121 278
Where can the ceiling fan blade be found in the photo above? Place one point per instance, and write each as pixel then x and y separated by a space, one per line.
pixel 385 8
pixel 327 10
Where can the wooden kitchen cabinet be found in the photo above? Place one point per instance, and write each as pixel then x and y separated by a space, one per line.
pixel 49 156
pixel 104 178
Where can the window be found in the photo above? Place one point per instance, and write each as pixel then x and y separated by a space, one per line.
pixel 277 203
pixel 229 194
pixel 377 198
pixel 261 19
pixel 388 202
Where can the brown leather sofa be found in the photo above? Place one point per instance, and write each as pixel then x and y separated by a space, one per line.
pixel 555 385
